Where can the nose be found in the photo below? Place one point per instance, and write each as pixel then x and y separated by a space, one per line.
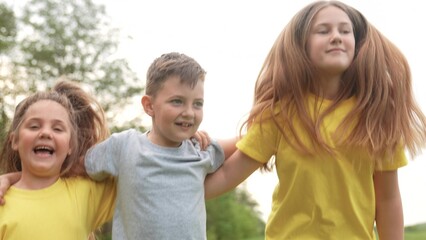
pixel 45 133
pixel 188 111
pixel 336 37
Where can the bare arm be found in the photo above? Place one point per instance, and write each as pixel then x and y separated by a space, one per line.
pixel 389 214
pixel 228 146
pixel 235 170
pixel 6 180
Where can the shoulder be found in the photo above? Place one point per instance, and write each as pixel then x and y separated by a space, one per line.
pixel 84 184
pixel 127 134
pixel 215 145
pixel 76 182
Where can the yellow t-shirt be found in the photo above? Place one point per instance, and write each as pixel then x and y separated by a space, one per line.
pixel 68 210
pixel 320 196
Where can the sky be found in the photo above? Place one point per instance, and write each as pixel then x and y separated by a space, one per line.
pixel 230 39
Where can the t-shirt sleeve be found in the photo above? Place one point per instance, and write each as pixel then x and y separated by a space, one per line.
pixel 399 160
pixel 102 201
pixel 101 160
pixel 217 155
pixel 260 142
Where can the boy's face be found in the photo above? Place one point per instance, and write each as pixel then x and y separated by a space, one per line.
pixel 176 111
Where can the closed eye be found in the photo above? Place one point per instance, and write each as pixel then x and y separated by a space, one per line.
pixel 59 126
pixel 57 129
pixel 33 127
pixel 322 32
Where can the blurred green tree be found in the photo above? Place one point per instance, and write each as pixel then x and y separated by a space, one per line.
pixel 8 33
pixel 234 216
pixel 65 38
pixel 7 28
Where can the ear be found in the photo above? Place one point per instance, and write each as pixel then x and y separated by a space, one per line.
pixel 14 142
pixel 147 105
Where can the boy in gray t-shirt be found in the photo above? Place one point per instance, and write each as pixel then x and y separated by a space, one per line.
pixel 161 172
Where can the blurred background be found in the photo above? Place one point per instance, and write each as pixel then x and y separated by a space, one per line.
pixel 108 45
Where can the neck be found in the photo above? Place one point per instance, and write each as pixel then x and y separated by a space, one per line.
pixel 35 182
pixel 161 142
pixel 330 87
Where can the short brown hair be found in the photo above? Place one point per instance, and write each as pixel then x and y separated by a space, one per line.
pixel 173 64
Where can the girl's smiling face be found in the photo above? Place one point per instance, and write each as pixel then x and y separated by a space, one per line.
pixel 43 140
pixel 331 43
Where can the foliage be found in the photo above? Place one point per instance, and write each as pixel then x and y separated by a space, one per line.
pixel 416 232
pixel 233 216
pixel 63 38
pixel 7 41
pixel 7 27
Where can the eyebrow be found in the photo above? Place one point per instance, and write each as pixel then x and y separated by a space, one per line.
pixel 38 119
pixel 327 24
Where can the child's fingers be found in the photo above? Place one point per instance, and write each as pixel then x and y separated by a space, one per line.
pixel 4 185
pixel 1 198
pixel 204 139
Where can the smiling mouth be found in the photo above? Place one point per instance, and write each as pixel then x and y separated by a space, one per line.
pixel 44 149
pixel 335 50
pixel 185 124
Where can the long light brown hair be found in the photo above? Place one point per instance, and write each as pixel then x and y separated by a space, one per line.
pixel 379 78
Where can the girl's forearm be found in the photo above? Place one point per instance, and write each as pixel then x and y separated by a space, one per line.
pixel 234 171
pixel 389 214
pixel 390 220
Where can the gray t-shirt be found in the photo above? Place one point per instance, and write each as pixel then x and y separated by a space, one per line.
pixel 160 190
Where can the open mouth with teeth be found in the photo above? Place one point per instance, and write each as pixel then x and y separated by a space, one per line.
pixel 184 124
pixel 44 150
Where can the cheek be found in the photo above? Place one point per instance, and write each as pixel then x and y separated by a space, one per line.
pixel 20 144
pixel 200 116
pixel 68 144
pixel 312 50
pixel 308 49
pixel 350 44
